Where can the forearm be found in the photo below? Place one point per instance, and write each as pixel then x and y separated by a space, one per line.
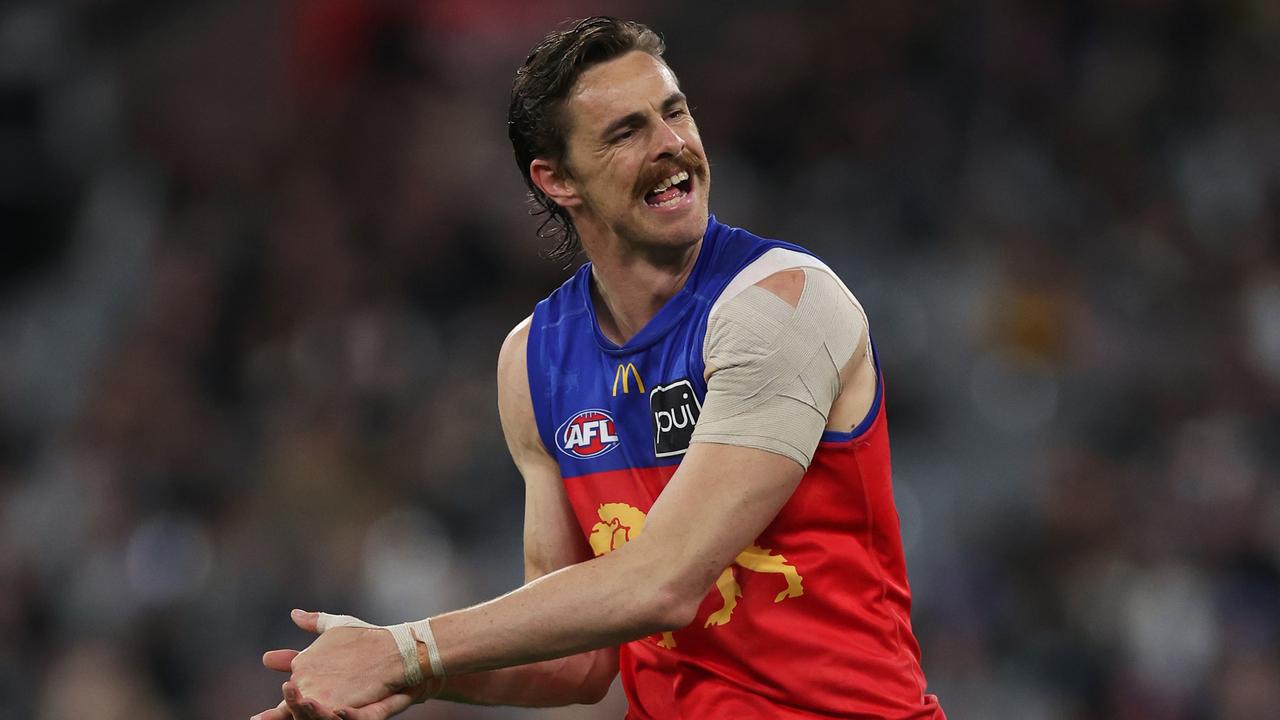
pixel 604 602
pixel 582 678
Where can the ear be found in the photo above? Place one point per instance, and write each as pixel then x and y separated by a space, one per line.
pixel 554 180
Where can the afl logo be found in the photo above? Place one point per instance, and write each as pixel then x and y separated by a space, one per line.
pixel 588 434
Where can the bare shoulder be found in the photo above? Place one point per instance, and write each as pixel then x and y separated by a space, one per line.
pixel 512 356
pixel 515 405
pixel 790 284
pixel 786 284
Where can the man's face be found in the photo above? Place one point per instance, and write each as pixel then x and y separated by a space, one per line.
pixel 630 135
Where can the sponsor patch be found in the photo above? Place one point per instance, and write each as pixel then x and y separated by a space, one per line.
pixel 675 411
pixel 588 434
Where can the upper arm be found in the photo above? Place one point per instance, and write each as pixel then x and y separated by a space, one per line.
pixel 552 539
pixel 779 355
pixel 726 490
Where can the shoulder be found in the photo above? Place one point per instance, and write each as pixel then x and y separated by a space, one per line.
pixel 515 403
pixel 787 311
pixel 512 366
pixel 787 285
pixel 784 270
pixel 796 298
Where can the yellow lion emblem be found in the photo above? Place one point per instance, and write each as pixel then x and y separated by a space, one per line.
pixel 620 522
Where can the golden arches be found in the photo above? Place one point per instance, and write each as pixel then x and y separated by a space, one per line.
pixel 625 373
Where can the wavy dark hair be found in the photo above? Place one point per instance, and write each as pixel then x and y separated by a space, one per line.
pixel 535 120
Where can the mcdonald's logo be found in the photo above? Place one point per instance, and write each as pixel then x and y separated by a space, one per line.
pixel 625 373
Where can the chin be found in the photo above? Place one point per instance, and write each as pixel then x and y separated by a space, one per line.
pixel 679 232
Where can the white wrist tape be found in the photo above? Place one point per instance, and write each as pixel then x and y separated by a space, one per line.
pixel 408 653
pixel 423 630
pixel 403 634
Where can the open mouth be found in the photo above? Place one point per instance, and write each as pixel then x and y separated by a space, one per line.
pixel 670 191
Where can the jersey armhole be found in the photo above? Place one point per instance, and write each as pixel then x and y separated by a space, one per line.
pixel 861 429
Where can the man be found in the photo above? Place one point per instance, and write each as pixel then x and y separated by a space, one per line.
pixel 708 506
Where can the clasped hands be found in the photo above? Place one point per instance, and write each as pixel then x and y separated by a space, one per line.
pixel 348 673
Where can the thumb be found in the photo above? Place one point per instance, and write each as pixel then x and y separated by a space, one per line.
pixel 306 620
pixel 380 710
pixel 281 660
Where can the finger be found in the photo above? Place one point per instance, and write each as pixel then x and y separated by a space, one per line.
pixel 279 712
pixel 380 710
pixel 281 660
pixel 316 711
pixel 304 708
pixel 305 620
pixel 293 700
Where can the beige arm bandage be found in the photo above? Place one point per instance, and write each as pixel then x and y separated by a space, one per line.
pixel 777 368
pixel 406 642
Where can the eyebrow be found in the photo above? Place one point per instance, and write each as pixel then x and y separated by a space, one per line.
pixel 635 118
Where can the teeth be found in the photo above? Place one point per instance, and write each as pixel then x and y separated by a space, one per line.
pixel 674 179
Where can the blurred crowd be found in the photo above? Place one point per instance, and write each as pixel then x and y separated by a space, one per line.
pixel 260 256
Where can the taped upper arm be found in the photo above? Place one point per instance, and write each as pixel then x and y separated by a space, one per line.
pixel 778 353
pixel 552 538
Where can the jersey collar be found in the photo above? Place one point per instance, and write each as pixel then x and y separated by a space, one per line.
pixel 671 312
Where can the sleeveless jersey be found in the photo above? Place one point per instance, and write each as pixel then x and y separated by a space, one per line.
pixel 813 620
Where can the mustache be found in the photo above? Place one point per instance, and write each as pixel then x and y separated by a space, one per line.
pixel 685 160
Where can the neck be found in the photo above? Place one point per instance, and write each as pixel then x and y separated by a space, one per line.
pixel 630 287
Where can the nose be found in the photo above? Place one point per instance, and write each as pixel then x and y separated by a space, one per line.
pixel 668 142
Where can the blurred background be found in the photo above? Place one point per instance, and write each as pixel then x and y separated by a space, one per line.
pixel 259 258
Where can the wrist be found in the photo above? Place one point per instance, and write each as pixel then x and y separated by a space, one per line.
pixel 424 657
pixel 428 658
pixel 429 689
